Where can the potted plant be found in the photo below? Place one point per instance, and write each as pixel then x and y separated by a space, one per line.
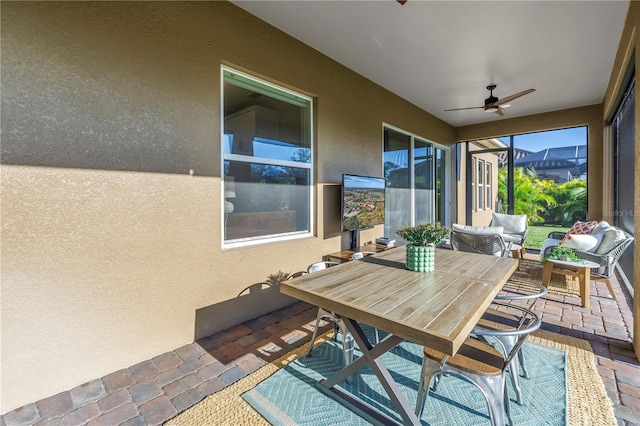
pixel 562 253
pixel 421 248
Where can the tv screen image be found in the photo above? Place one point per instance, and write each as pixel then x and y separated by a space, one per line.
pixel 362 202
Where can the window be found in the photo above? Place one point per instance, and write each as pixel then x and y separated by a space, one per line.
pixel 415 171
pixel 474 185
pixel 267 161
pixel 480 184
pixel 487 185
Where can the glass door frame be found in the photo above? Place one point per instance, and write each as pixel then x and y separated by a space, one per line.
pixel 440 153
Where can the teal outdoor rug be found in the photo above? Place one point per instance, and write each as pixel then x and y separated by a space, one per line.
pixel 290 397
pixel 565 388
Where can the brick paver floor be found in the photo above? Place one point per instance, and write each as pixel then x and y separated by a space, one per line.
pixel 153 391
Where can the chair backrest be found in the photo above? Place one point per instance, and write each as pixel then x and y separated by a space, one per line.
pixel 527 322
pixel 492 244
pixel 513 224
pixel 529 296
pixel 361 254
pixel 319 266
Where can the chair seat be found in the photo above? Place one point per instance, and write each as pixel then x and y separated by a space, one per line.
pixel 474 356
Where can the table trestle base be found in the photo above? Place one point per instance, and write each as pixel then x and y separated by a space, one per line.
pixel 370 356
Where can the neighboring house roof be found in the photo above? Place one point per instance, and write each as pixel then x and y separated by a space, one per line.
pixel 517 154
pixel 562 157
pixel 549 162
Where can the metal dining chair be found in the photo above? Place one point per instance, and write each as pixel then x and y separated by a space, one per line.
pixel 495 244
pixel 359 255
pixel 481 363
pixel 338 324
pixel 496 319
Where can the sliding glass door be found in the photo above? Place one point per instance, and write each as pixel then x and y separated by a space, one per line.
pixel 624 125
pixel 415 173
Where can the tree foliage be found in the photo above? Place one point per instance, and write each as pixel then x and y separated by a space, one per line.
pixel 542 200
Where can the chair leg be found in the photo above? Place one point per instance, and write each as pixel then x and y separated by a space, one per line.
pixel 495 392
pixel 430 370
pixel 507 407
pixel 523 365
pixel 608 282
pixel 493 388
pixel 323 314
pixel 514 373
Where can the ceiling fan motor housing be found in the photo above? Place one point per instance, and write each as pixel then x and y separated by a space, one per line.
pixel 490 100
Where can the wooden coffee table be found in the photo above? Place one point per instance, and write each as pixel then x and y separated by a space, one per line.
pixel 582 270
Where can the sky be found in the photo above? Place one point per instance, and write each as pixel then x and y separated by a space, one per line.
pixel 535 142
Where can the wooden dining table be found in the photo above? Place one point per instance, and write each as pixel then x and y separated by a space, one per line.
pixel 437 309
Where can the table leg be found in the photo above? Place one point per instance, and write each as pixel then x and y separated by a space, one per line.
pixel 547 269
pixel 370 356
pixel 584 277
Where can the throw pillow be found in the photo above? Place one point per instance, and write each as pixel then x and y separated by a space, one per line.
pixel 581 228
pixel 581 242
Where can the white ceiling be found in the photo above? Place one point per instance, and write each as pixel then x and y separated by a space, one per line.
pixel 442 54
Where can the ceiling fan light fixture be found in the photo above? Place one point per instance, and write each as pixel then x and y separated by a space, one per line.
pixel 491 109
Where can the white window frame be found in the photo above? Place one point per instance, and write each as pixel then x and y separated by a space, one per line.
pixel 480 184
pixel 259 240
pixel 474 178
pixel 488 178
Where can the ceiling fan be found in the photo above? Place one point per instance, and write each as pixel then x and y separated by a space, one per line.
pixel 493 104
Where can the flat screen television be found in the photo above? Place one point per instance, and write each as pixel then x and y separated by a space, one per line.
pixel 362 204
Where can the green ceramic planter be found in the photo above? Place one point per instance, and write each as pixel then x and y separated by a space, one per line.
pixel 421 259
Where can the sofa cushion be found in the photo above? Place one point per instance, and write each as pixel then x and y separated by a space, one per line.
pixel 582 242
pixel 512 223
pixel 603 225
pixel 548 242
pixel 610 237
pixel 478 229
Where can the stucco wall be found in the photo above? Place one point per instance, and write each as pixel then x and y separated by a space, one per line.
pixel 109 245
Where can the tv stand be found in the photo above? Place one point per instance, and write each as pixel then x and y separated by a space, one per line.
pixel 355 239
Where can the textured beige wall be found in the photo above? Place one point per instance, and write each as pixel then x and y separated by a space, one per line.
pixel 109 245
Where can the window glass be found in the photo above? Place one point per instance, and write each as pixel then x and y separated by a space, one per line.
pixel 267 169
pixel 474 184
pixel 480 184
pixel 414 187
pixel 424 178
pixel 397 208
pixel 487 183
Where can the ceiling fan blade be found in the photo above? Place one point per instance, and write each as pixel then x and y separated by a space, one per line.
pixel 500 111
pixel 512 97
pixel 460 109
